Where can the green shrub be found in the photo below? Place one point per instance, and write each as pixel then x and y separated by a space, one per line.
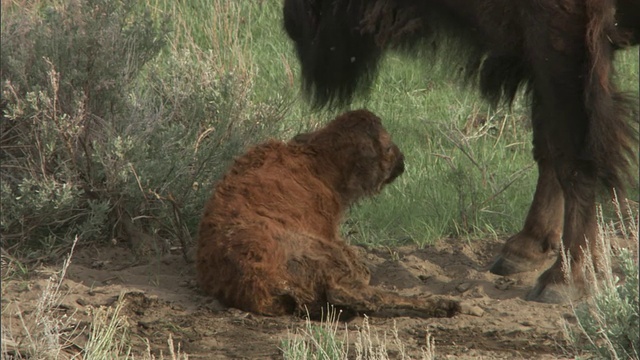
pixel 102 137
pixel 65 71
pixel 608 323
pixel 191 120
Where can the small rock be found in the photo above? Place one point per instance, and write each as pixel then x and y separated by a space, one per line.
pixel 472 310
pixel 478 292
pixel 462 287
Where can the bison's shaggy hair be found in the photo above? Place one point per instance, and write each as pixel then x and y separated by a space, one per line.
pixel 559 51
pixel 269 238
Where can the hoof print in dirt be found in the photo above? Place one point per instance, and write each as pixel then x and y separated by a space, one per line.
pixel 134 302
pixel 504 283
pixel 553 293
pixel 504 266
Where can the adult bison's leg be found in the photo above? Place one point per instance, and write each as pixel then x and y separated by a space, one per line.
pixel 578 181
pixel 540 237
pixel 559 107
pixel 584 119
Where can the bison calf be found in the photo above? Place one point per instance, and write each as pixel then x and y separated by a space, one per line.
pixel 269 238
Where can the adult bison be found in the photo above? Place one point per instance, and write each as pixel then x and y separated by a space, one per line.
pixel 269 238
pixel 559 51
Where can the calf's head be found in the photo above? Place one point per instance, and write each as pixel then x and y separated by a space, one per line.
pixel 354 154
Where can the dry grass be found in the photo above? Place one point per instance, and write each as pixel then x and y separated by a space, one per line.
pixel 328 340
pixel 607 322
pixel 44 334
pixel 50 332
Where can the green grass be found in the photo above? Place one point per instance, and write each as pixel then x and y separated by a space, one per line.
pixel 462 180
pixel 469 174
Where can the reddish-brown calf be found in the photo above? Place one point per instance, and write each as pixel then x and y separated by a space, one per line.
pixel 269 239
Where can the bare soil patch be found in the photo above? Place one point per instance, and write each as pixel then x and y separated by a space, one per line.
pixel 162 299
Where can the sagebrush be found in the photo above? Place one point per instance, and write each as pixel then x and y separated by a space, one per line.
pixel 104 138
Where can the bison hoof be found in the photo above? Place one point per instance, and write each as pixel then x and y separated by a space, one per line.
pixel 504 266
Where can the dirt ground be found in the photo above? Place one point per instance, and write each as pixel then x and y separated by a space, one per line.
pixel 162 299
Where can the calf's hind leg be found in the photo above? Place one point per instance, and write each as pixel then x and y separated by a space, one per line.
pixel 351 291
pixel 365 299
pixel 329 272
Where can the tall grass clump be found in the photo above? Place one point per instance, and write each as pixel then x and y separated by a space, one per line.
pixel 326 341
pixel 317 340
pixel 608 322
pixel 112 128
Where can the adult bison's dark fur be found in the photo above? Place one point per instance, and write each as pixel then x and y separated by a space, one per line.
pixel 269 238
pixel 559 51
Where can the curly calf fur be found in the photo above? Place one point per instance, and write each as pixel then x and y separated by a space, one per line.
pixel 269 239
